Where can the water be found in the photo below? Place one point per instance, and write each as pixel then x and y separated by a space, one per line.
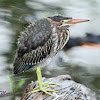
pixel 82 63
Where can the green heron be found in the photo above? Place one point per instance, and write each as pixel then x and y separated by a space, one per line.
pixel 40 41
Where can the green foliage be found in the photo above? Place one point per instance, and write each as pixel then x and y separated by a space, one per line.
pixel 15 88
pixel 12 83
pixel 19 84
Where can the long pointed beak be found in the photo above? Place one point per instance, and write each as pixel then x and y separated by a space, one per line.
pixel 75 21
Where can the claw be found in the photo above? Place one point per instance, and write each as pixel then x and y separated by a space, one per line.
pixel 45 89
pixel 44 86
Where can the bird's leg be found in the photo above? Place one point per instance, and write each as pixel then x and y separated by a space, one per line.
pixel 43 86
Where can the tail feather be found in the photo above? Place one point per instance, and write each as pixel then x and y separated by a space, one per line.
pixel 19 66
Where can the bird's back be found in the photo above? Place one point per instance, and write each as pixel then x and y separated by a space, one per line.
pixel 36 43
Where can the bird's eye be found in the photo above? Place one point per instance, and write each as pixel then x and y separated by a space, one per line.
pixel 62 21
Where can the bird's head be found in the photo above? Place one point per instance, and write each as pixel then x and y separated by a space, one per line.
pixel 65 21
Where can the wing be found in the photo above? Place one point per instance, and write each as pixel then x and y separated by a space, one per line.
pixel 35 44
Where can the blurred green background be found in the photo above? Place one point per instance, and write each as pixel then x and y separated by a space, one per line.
pixel 83 64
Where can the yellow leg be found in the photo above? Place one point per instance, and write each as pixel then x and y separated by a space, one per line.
pixel 43 86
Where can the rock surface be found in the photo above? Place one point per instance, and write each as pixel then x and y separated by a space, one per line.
pixel 68 90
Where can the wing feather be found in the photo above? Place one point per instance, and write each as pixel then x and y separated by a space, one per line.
pixel 36 43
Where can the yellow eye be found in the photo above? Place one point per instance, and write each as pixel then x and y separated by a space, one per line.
pixel 64 21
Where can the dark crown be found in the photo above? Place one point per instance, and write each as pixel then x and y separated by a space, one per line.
pixel 59 18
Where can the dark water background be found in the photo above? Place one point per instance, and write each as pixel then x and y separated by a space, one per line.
pixel 82 63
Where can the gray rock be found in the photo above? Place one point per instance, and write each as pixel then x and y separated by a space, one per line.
pixel 68 90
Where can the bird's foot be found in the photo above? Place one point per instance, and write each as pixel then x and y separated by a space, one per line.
pixel 44 88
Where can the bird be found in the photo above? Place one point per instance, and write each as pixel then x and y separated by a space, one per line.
pixel 40 41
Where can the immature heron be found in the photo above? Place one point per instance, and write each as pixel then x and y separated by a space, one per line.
pixel 40 41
